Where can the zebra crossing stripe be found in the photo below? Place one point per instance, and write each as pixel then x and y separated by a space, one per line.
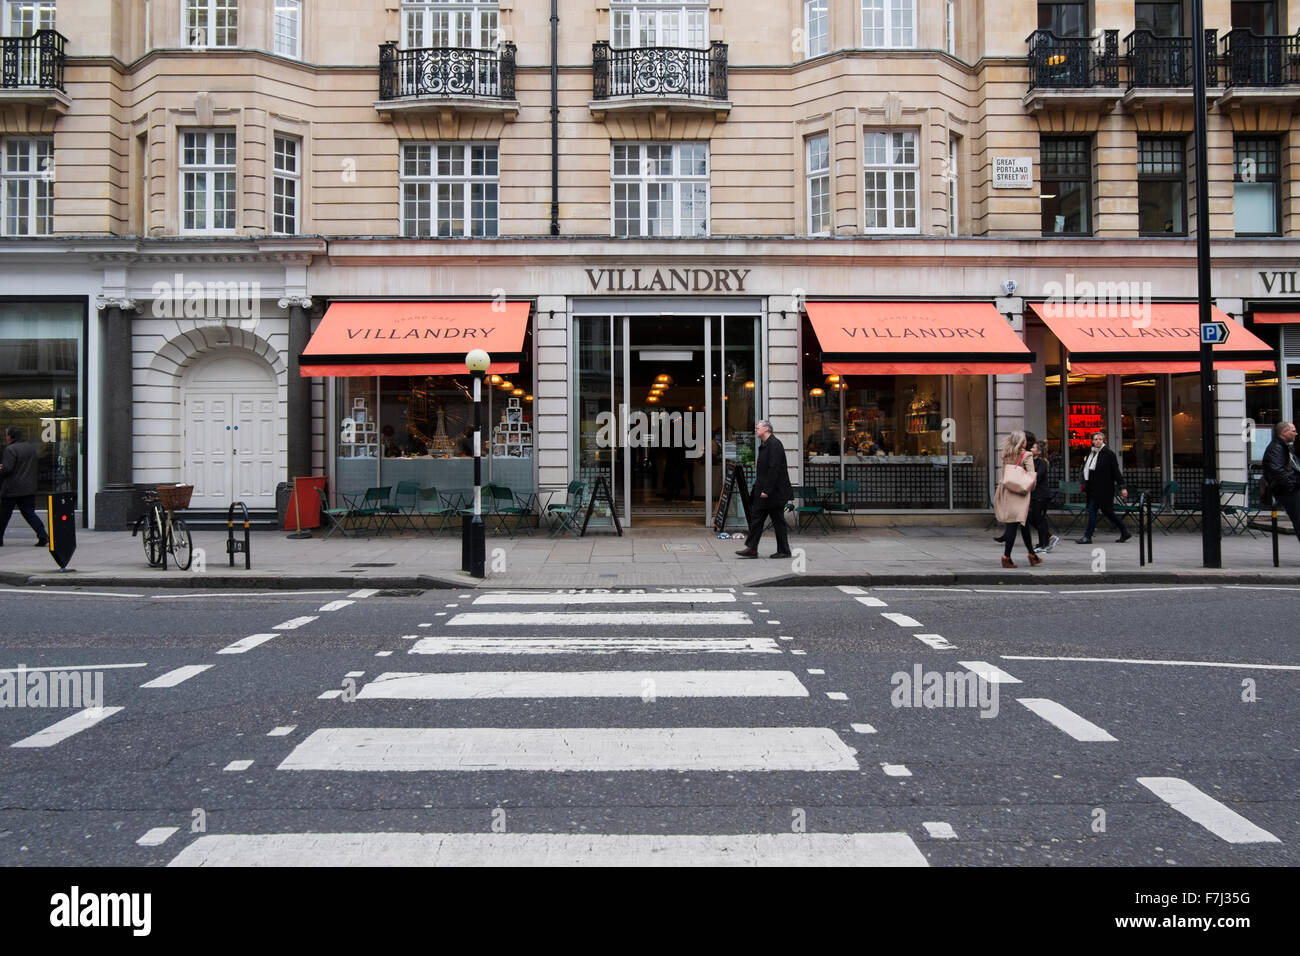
pixel 529 684
pixel 246 644
pixel 65 728
pixel 596 645
pixel 602 618
pixel 572 748
pixel 617 597
pixel 1061 717
pixel 551 849
pixel 174 677
pixel 1200 807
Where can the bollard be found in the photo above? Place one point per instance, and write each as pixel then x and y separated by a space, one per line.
pixel 1142 531
pixel 1273 522
pixel 234 547
pixel 1151 524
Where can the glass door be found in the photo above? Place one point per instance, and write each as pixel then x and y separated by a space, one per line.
pixel 599 384
pixel 735 396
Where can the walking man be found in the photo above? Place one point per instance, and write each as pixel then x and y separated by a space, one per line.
pixel 1101 476
pixel 1282 471
pixel 18 484
pixel 771 492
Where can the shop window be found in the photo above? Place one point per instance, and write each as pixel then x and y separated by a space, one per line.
pixel 1066 186
pixel 288 28
pixel 1256 196
pixel 470 24
pixel 660 189
pixel 208 181
pixel 210 23
pixel 286 186
pixel 1185 435
pixel 654 23
pixel 888 24
pixel 892 170
pixel 815 28
pixel 1140 442
pixel 1264 393
pixel 22 18
pixel 819 185
pixel 28 174
pixel 1064 19
pixel 449 190
pixel 420 429
pixel 1162 187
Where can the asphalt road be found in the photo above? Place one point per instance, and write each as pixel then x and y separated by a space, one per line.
pixel 785 729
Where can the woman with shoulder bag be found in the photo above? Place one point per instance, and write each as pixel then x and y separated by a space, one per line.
pixel 1011 500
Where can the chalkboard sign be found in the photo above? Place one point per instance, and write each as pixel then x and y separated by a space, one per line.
pixel 735 484
pixel 601 493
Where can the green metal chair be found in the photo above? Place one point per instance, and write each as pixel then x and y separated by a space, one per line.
pixel 811 510
pixel 1239 516
pixel 405 500
pixel 834 505
pixel 334 517
pixel 1075 509
pixel 503 505
pixel 566 515
pixel 429 504
pixel 376 504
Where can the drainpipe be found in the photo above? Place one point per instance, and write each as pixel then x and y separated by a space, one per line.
pixel 555 118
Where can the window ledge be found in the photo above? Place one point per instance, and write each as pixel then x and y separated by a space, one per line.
pixel 1141 96
pixel 1235 97
pixel 1101 98
pixel 56 101
pixel 506 109
pixel 626 105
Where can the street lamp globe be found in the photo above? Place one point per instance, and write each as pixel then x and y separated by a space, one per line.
pixel 477 360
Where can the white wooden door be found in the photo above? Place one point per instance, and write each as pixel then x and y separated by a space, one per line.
pixel 207 449
pixel 254 450
pixel 230 449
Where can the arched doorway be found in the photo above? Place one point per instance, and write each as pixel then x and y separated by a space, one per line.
pixel 229 447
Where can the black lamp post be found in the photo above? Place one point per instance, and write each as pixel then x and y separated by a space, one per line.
pixel 472 546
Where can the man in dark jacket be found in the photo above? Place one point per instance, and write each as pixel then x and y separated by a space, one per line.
pixel 771 492
pixel 1101 476
pixel 18 484
pixel 1282 471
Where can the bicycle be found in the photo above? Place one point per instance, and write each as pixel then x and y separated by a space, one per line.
pixel 161 531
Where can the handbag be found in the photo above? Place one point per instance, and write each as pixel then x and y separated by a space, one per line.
pixel 1017 480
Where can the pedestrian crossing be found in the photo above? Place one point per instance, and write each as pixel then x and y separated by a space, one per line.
pixel 672 625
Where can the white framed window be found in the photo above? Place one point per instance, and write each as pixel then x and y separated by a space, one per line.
pixel 440 24
pixel 950 26
pixel 646 23
pixel 210 23
pixel 208 181
pixel 660 189
pixel 889 23
pixel 816 28
pixel 892 169
pixel 818 174
pixel 286 185
pixel 450 189
pixel 28 173
pixel 950 174
pixel 22 18
pixel 287 28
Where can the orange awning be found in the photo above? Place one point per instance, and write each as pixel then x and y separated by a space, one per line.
pixel 917 338
pixel 415 338
pixel 1108 338
pixel 1275 318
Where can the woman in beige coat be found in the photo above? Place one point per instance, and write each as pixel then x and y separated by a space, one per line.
pixel 1013 508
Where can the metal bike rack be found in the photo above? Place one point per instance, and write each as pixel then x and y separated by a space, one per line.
pixel 1146 522
pixel 234 547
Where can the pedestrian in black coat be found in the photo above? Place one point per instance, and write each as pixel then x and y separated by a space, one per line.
pixel 771 493
pixel 1282 471
pixel 18 484
pixel 1101 477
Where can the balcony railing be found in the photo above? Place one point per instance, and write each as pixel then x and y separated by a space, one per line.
pixel 1073 62
pixel 32 62
pixel 446 71
pixel 1252 60
pixel 659 71
pixel 1168 61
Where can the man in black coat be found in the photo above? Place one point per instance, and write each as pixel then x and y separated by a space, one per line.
pixel 18 484
pixel 1282 471
pixel 1101 476
pixel 771 492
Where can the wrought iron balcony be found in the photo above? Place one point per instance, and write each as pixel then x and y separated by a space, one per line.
pixel 1168 62
pixel 1267 61
pixel 1073 62
pixel 446 72
pixel 659 72
pixel 34 62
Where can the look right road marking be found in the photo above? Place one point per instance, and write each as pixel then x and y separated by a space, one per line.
pixel 1200 807
pixel 1065 719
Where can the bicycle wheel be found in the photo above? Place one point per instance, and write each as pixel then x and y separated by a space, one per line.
pixel 182 548
pixel 151 537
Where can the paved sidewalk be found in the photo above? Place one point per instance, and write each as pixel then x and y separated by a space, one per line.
pixel 674 557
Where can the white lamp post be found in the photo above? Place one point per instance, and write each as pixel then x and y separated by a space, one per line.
pixel 472 548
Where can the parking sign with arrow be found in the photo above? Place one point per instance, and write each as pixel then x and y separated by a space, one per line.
pixel 1214 333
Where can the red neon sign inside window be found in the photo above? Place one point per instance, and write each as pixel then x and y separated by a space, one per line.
pixel 1082 420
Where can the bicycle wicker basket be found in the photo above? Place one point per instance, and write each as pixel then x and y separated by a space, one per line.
pixel 175 497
